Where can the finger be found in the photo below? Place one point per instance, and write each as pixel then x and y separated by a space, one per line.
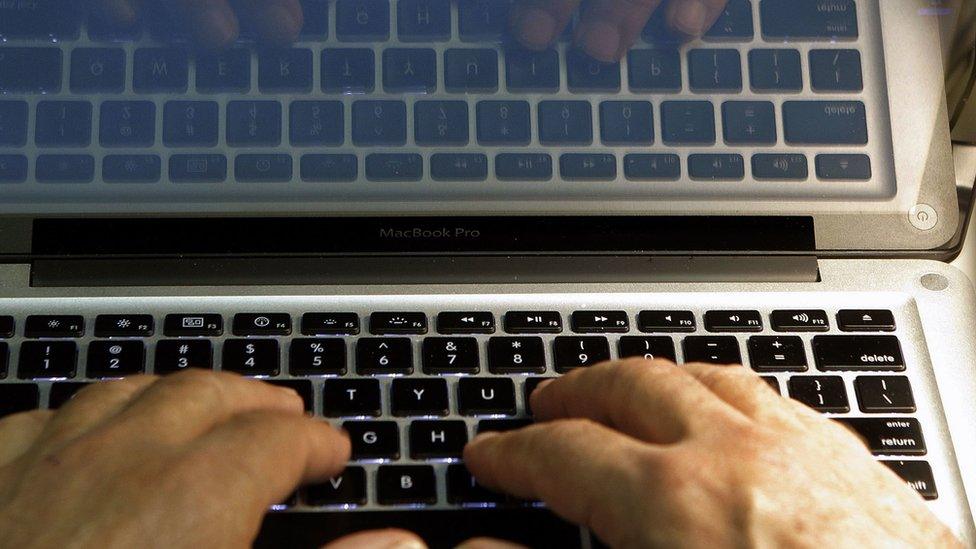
pixel 583 471
pixel 537 23
pixel 655 401
pixel 379 539
pixel 489 543
pixel 211 23
pixel 19 432
pixel 693 18
pixel 610 27
pixel 273 21
pixel 742 388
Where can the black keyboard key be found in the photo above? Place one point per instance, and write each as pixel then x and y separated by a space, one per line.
pixel 329 168
pixel 4 359
pixel 7 326
pixel 317 357
pixel 816 19
pixel 183 325
pixel 749 122
pixel 579 352
pixel 379 123
pixel 409 70
pixel 533 322
pixel 772 382
pixel 330 324
pixel 351 397
pixel 54 326
pixel 176 355
pixel 715 71
pixel 486 396
pixel 502 425
pixel 523 167
pixel 845 167
pixel 588 167
pixel 825 394
pixel 127 124
pixel 316 123
pixel 777 354
pixel 735 22
pixel 263 168
pixel 459 167
pixel 419 397
pixel 423 20
pixel 405 485
pixel 825 123
pixel 97 70
pixel 654 70
pixel 374 440
pixel 508 355
pixel 224 71
pixel 316 19
pixel 775 70
pixel 441 123
pixel 285 70
pixel 884 394
pixel 103 29
pixel 530 385
pixel 63 391
pixel 348 488
pixel 437 439
pixel 599 322
pixel 254 123
pixel 465 323
pixel 565 123
pixel 190 123
pixel 652 167
pixel 463 488
pixel 398 323
pixel 13 168
pixel 786 167
pixel 157 70
pixel 197 168
pixel 18 397
pixel 733 321
pixel 63 124
pixel 626 123
pixel 471 70
pixel 666 321
pixel 918 475
pixel 866 320
pixel 348 70
pixel 363 20
pixel 836 71
pixel 889 436
pixel 251 357
pixel 40 19
pixel 585 74
pixel 131 168
pixel 648 347
pixel 483 20
pixel 250 324
pixel 711 349
pixel 384 355
pixel 882 353
pixel 716 167
pixel 123 326
pixel 688 123
pixel 807 320
pixel 65 168
pixel 47 359
pixel 30 70
pixel 451 355
pixel 532 71
pixel 504 123
pixel 13 123
pixel 115 358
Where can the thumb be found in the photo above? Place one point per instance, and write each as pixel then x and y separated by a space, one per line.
pixel 379 539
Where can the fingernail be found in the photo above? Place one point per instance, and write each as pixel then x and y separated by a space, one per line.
pixel 536 28
pixel 281 20
pixel 690 16
pixel 601 41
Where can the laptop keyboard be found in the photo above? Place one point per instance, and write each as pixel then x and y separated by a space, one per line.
pixel 413 387
pixel 433 93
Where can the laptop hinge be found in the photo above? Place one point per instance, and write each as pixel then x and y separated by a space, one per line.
pixel 422 270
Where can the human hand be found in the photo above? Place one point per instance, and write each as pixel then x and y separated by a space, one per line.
pixel 649 454
pixel 609 27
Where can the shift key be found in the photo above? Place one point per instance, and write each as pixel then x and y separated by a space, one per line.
pixel 825 122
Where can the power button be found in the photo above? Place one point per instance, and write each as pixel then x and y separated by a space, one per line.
pixel 923 217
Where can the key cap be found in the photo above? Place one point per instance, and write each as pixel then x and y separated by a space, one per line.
pixel 836 71
pixel 451 355
pixel 350 397
pixel 158 70
pixel 712 70
pixel 809 320
pixel 123 326
pixel 523 167
pixel 585 74
pixel 316 19
pixel 825 123
pixel 463 489
pixel 502 425
pixel 437 439
pixel 406 484
pixel 13 168
pixel 884 394
pixel 188 325
pixel 363 20
pixel 224 71
pixel 115 358
pixel 507 355
pixel 127 124
pixel 63 391
pixel 251 357
pixel 588 167
pixel 881 353
pixel 486 396
pixel 688 123
pixel 650 348
pixel 37 326
pixel 316 123
pixel 65 168
pixel 533 322
pixel 852 167
pixel 379 123
pixel 197 168
pixel 666 321
pixel 176 355
pixel 13 123
pixel 330 324
pixel 103 29
pixel 30 70
pixel 733 321
pixel 749 122
pixel 471 70
pixel 716 167
pixel 483 20
pixel 348 488
pixel 918 475
pixel 466 323
pixel 4 359
pixel 652 167
pixel 286 69
pixel 97 70
pixel 7 326
pixel 626 123
pixel 190 123
pixel 565 123
pixel 423 20
pixel 63 124
pixel 530 386
pixel 41 19
pixel 889 436
pixel 504 123
pixel 734 24
pixel 787 167
pixel 711 349
pixel 773 382
pixel 441 123
pixel 654 70
pixel 777 354
pixel 775 70
pixel 599 322
pixel 459 167
pixel 263 168
pixel 131 168
pixel 397 323
pixel 386 355
pixel 18 397
pixel 824 394
pixel 254 123
pixel 374 440
pixel 532 71
pixel 819 19
pixel 329 168
pixel 579 352
pixel 348 70
pixel 418 397
pixel 316 357
pixel 252 324
pixel 409 70
pixel 47 359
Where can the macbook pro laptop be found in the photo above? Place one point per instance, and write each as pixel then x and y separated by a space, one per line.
pixel 412 221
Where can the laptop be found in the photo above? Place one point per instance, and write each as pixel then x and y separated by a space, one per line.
pixel 412 221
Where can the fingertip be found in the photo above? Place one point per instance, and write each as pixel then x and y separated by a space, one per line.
pixel 391 538
pixel 280 25
pixel 689 17
pixel 601 41
pixel 535 28
pixel 216 27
